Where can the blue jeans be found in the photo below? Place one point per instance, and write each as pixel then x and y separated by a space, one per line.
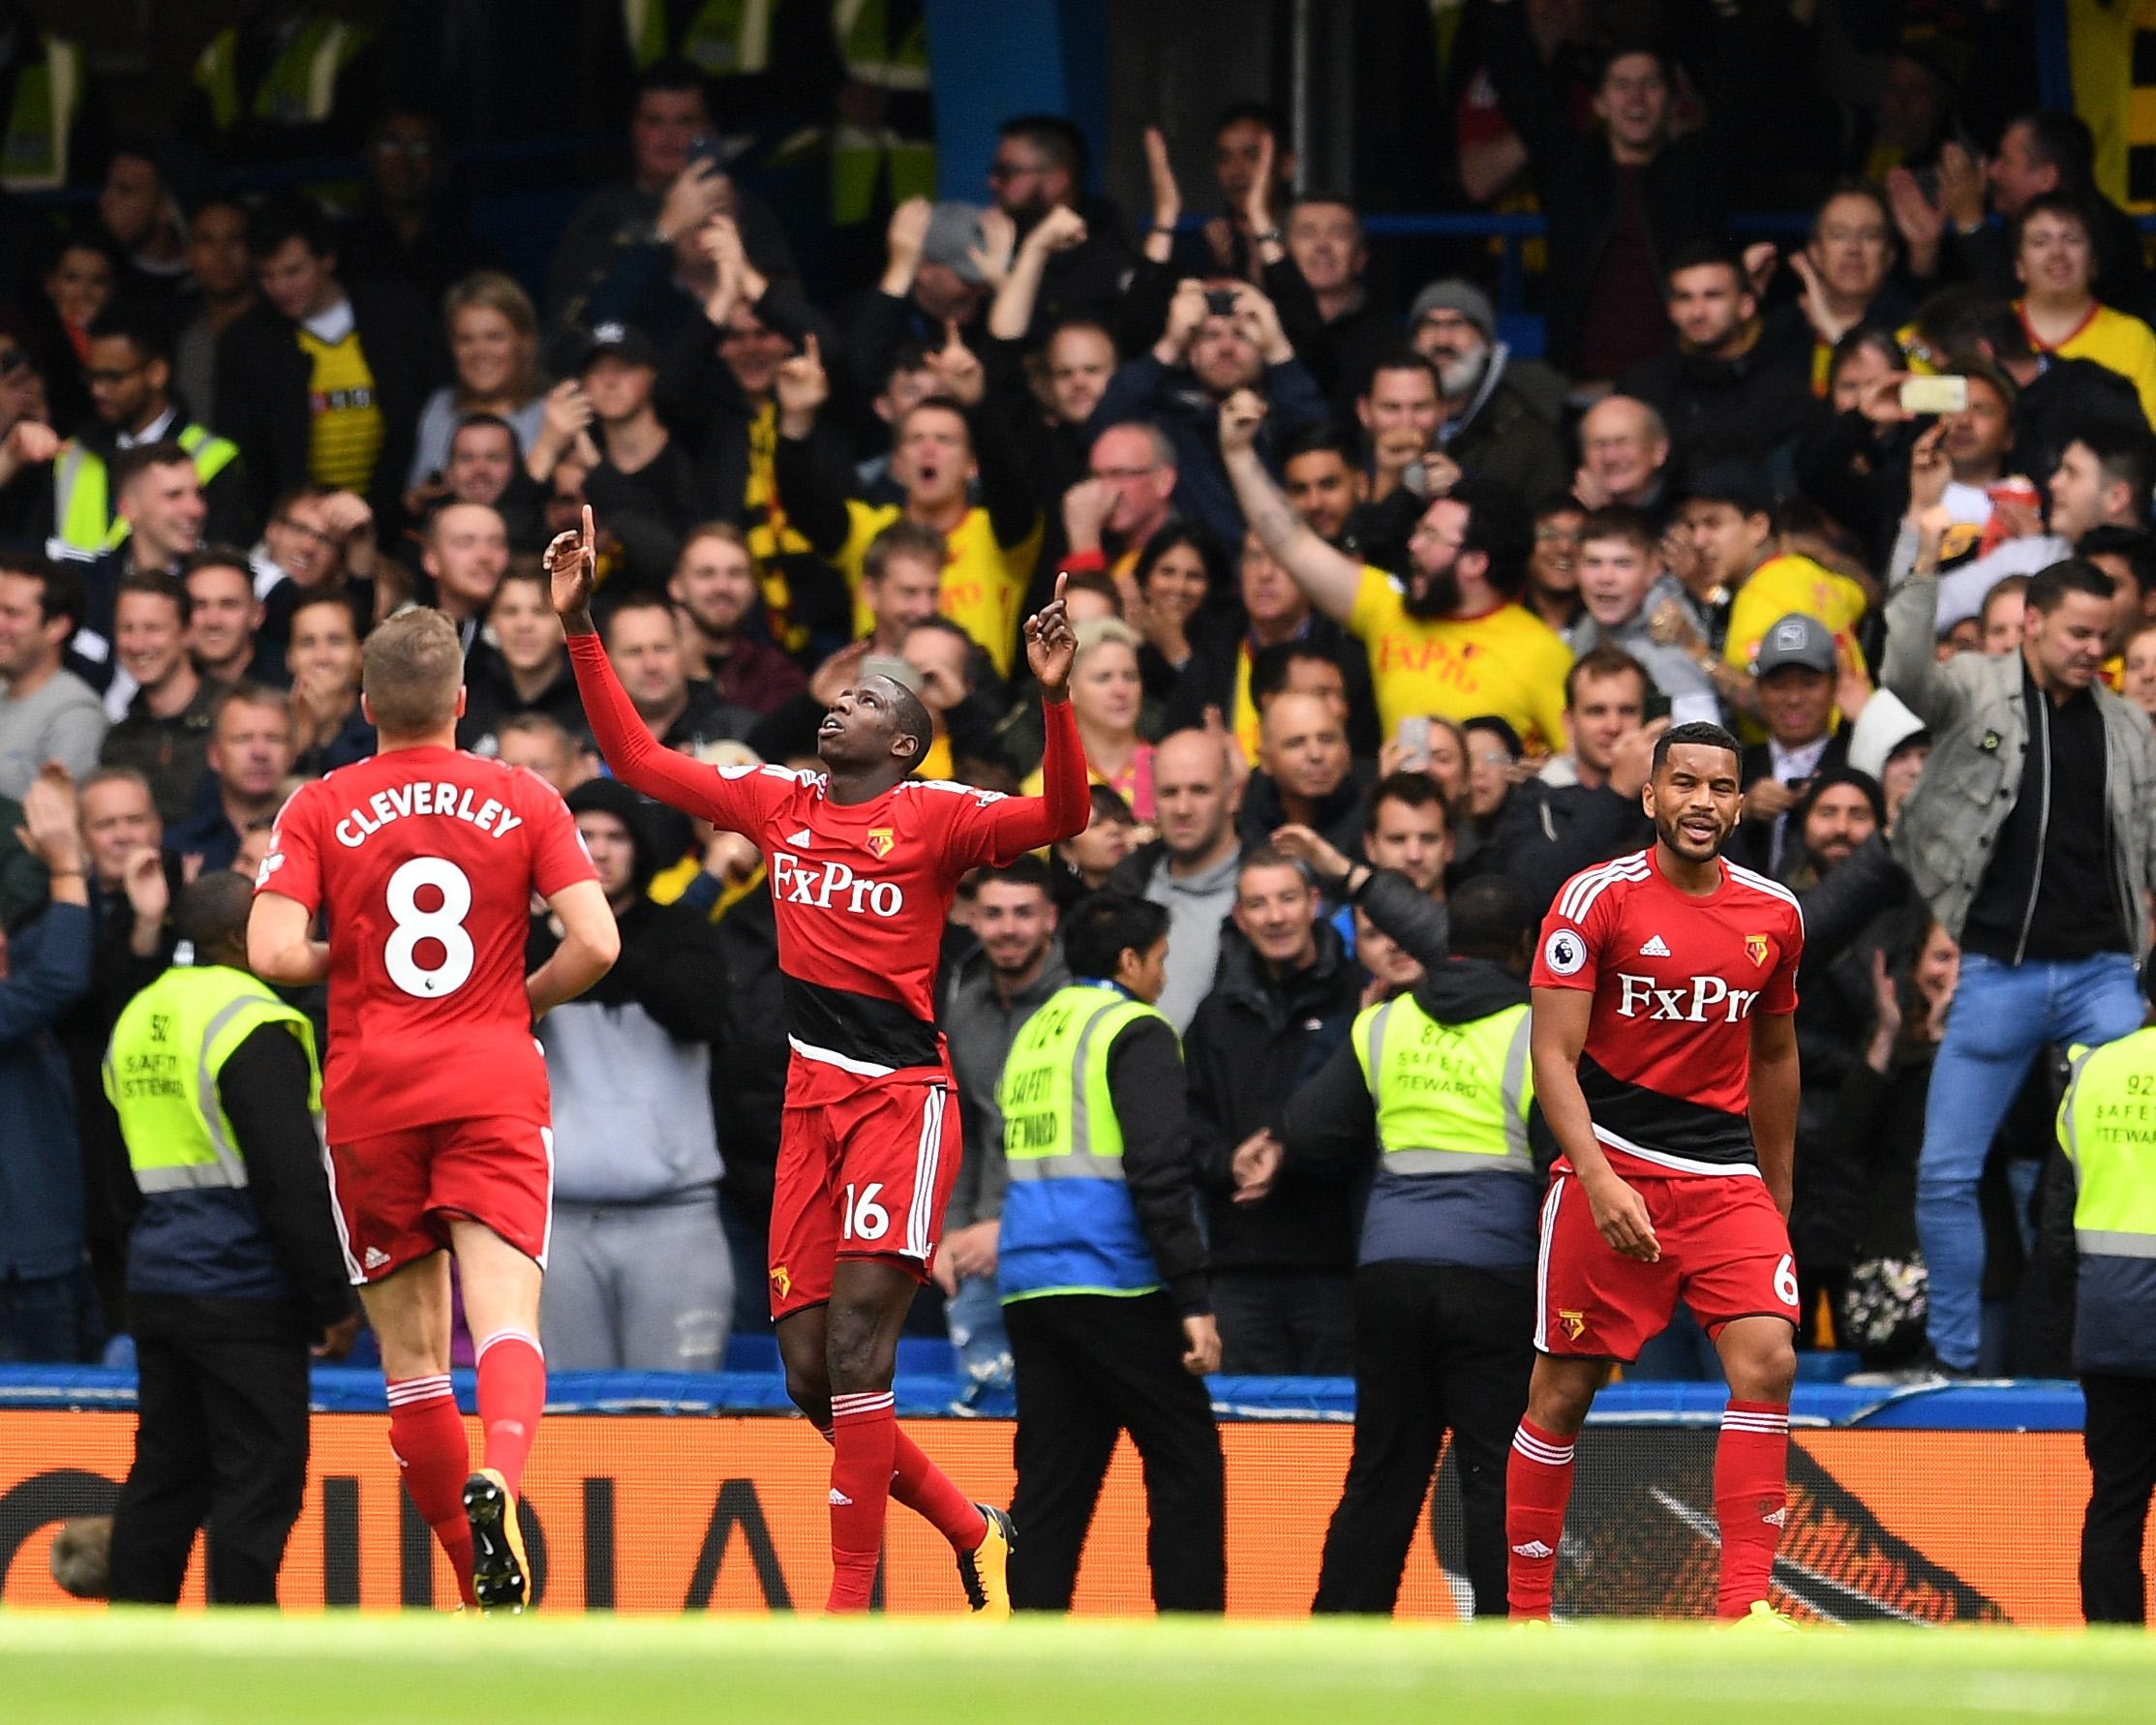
pixel 2003 1015
pixel 975 1316
pixel 40 1318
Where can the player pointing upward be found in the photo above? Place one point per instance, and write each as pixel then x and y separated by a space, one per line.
pixel 1662 994
pixel 864 862
pixel 423 861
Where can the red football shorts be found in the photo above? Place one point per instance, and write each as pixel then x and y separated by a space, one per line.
pixel 1725 1254
pixel 866 1175
pixel 395 1192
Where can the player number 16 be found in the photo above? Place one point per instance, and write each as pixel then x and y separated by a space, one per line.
pixel 865 1217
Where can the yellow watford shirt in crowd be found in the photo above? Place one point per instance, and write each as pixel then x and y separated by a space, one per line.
pixel 983 583
pixel 770 535
pixel 2113 339
pixel 1507 662
pixel 346 431
pixel 1782 585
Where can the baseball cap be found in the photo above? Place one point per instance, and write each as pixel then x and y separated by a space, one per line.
pixel 1453 294
pixel 953 236
pixel 1795 640
pixel 625 340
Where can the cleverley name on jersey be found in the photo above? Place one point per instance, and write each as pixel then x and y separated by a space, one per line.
pixel 425 798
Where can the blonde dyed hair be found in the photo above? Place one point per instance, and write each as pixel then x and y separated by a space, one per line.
pixel 495 291
pixel 411 669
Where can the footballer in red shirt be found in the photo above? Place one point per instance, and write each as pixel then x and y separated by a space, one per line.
pixel 422 864
pixel 1665 1062
pixel 864 861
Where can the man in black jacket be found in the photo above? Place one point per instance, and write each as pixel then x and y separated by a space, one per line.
pixel 1584 807
pixel 1435 1084
pixel 1621 199
pixel 320 384
pixel 1725 390
pixel 1286 995
pixel 1104 1279
pixel 229 1282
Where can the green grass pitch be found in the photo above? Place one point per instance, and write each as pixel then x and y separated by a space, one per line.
pixel 258 1669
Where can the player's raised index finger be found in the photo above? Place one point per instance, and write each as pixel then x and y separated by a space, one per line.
pixel 588 532
pixel 1062 581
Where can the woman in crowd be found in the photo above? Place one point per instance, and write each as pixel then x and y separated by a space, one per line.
pixel 1178 569
pixel 1107 697
pixel 1082 865
pixel 493 333
pixel 2054 260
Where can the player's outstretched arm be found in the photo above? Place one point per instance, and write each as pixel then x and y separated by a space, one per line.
pixel 678 780
pixel 1330 578
pixel 278 948
pixel 1560 1019
pixel 590 941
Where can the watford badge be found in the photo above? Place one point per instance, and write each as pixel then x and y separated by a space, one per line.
pixel 880 842
pixel 1756 947
pixel 1572 1323
pixel 781 1281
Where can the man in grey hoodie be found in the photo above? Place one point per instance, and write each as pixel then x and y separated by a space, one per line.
pixel 1191 868
pixel 639 1277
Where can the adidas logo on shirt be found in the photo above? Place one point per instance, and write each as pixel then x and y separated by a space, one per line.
pixel 1656 948
pixel 802 838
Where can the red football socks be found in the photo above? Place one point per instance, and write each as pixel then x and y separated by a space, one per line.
pixel 917 1484
pixel 1752 1498
pixel 864 1434
pixel 427 1436
pixel 1538 1485
pixel 926 1490
pixel 512 1393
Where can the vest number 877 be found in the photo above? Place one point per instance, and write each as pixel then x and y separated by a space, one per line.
pixel 443 926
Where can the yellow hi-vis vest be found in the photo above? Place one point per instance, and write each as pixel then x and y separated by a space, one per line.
pixel 1069 1225
pixel 723 38
pixel 300 87
pixel 2107 1125
pixel 47 97
pixel 82 489
pixel 160 1071
pixel 1451 1098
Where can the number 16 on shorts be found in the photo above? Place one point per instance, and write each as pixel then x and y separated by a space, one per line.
pixel 861 1217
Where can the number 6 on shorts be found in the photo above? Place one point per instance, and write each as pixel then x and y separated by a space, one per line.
pixel 1785 1281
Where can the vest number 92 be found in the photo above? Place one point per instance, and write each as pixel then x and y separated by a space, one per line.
pixel 443 926
pixel 865 1217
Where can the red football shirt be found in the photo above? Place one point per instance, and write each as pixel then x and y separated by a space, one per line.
pixel 862 890
pixel 423 863
pixel 1666 1068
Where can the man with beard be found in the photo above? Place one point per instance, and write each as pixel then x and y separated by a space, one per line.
pixel 1676 1131
pixel 1450 638
pixel 1497 420
pixel 1039 168
pixel 1722 391
pixel 714 586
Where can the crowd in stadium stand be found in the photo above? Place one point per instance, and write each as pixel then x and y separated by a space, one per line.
pixel 1371 608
